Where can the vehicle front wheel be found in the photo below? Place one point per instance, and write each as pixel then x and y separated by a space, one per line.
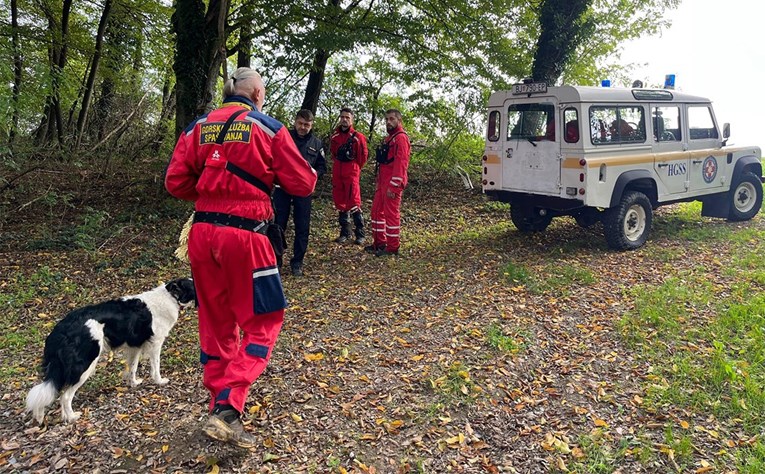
pixel 745 197
pixel 628 224
pixel 529 219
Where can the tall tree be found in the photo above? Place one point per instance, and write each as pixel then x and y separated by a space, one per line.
pixel 92 73
pixel 59 31
pixel 562 27
pixel 17 69
pixel 200 51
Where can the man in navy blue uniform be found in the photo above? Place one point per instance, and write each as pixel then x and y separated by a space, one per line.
pixel 312 150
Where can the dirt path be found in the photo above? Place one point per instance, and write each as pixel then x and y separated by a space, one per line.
pixel 384 365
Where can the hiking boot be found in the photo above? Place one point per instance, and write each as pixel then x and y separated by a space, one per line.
pixel 297 270
pixel 372 248
pixel 358 231
pixel 224 424
pixel 384 252
pixel 345 227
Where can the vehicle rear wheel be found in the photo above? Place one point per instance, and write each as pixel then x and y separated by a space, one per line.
pixel 745 197
pixel 628 224
pixel 529 219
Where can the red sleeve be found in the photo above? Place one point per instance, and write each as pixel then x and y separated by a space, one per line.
pixel 361 149
pixel 292 171
pixel 333 146
pixel 182 172
pixel 401 152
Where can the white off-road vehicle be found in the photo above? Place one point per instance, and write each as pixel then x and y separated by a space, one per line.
pixel 613 155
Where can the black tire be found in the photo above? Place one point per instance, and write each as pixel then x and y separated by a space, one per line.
pixel 628 224
pixel 745 197
pixel 528 219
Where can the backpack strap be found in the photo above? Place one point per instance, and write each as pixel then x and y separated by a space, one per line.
pixel 222 133
pixel 232 168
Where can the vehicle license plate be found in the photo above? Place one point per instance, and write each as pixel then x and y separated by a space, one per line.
pixel 530 88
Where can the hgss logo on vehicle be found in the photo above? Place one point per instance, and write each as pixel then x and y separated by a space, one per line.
pixel 709 169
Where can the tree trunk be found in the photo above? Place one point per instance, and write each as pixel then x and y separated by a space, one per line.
pixel 199 39
pixel 244 51
pixel 17 68
pixel 168 109
pixel 318 68
pixel 93 70
pixel 216 55
pixel 53 123
pixel 561 32
pixel 315 80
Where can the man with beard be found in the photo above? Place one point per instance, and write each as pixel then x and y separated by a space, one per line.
pixel 348 147
pixel 392 158
pixel 312 150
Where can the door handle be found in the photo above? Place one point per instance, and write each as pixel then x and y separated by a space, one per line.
pixel 697 162
pixel 662 165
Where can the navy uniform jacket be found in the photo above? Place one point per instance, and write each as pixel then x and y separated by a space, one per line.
pixel 312 150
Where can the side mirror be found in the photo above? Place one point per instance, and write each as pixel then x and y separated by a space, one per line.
pixel 726 130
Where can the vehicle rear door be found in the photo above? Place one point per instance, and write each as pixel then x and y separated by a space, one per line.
pixel 532 153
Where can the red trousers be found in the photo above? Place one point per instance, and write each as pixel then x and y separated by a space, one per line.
pixel 346 193
pixel 386 219
pixel 238 287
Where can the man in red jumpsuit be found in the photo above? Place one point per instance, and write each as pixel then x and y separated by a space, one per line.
pixel 393 162
pixel 232 261
pixel 348 148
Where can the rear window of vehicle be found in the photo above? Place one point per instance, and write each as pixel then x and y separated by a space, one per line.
pixel 531 121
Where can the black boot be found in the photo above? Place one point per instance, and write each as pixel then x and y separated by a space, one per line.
pixel 358 223
pixel 345 227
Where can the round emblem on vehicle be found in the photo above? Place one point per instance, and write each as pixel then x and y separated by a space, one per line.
pixel 709 169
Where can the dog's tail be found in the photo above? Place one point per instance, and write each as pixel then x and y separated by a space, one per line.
pixel 41 395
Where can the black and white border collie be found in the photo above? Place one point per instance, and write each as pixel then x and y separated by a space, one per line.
pixel 137 324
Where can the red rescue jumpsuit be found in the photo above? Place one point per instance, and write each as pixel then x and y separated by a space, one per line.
pixel 237 282
pixel 386 211
pixel 345 174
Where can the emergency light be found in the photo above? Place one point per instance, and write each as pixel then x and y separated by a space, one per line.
pixel 669 81
pixel 605 83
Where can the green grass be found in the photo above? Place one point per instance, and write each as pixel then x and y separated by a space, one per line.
pixel 497 339
pixel 706 344
pixel 456 386
pixel 558 278
pixel 515 274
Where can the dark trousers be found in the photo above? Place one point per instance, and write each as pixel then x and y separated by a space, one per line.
pixel 301 219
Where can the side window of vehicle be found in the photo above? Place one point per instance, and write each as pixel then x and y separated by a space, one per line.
pixel 617 124
pixel 494 126
pixel 666 124
pixel 571 125
pixel 700 123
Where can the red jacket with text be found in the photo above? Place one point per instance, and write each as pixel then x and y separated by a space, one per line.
pixel 255 142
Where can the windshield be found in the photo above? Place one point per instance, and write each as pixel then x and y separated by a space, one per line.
pixel 531 122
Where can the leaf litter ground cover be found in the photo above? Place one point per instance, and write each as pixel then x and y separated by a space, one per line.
pixel 479 349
